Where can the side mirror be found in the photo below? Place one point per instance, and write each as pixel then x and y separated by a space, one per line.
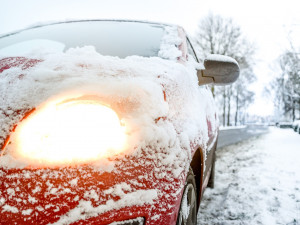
pixel 219 69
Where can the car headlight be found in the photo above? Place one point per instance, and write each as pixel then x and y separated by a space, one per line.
pixel 69 132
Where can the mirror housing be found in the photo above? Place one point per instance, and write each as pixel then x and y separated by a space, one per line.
pixel 219 70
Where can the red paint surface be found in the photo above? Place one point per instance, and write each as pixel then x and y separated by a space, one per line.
pixel 20 62
pixel 88 179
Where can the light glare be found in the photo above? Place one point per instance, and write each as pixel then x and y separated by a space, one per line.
pixel 70 133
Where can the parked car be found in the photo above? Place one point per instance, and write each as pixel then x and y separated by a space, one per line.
pixel 106 122
pixel 285 124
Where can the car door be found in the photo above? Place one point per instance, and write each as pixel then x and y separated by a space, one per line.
pixel 211 119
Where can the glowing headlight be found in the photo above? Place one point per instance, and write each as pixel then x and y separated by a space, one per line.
pixel 76 131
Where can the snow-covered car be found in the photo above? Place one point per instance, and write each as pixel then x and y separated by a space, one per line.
pixel 106 122
pixel 296 125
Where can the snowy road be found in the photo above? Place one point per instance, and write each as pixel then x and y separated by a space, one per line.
pixel 257 182
pixel 232 136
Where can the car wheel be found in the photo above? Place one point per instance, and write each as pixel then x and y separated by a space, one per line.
pixel 187 214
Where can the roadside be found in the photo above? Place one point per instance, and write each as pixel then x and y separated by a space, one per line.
pixel 257 182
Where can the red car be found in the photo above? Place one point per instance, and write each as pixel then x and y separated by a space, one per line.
pixel 106 122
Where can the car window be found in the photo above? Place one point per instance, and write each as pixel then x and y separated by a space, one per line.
pixel 114 38
pixel 191 50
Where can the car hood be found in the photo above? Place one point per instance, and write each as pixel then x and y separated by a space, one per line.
pixel 162 106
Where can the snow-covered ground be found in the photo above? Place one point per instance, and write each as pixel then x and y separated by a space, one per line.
pixel 257 182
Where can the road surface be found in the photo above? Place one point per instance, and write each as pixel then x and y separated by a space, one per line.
pixel 232 136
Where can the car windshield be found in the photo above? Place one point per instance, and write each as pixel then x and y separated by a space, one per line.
pixel 113 38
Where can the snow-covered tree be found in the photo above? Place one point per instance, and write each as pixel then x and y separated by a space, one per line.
pixel 219 35
pixel 287 85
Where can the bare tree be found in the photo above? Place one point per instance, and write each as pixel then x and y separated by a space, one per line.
pixel 287 85
pixel 218 35
pixel 241 93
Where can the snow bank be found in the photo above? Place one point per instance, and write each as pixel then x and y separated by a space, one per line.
pixel 257 182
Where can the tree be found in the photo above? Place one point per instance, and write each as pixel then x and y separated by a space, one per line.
pixel 242 95
pixel 287 85
pixel 218 35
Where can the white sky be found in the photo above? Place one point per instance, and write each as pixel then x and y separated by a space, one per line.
pixel 266 22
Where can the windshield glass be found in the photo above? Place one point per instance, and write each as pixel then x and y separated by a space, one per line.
pixel 114 38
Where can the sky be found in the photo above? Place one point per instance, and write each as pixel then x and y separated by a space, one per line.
pixel 269 24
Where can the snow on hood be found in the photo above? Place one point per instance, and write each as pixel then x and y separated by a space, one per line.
pixel 163 107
